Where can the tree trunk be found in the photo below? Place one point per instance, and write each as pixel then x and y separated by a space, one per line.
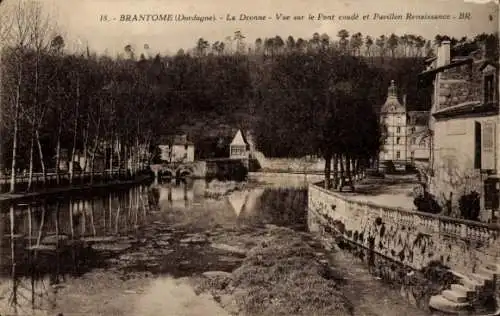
pixel 92 159
pixel 127 166
pixel 38 119
pixel 40 153
pixel 335 171
pixel 341 178
pixel 137 155
pixel 328 167
pixel 58 147
pixel 85 144
pixel 75 129
pixel 32 149
pixel 348 171
pixel 105 159
pixel 111 156
pixel 119 156
pixel 94 151
pixel 16 130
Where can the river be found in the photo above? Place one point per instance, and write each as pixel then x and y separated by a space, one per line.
pixel 92 253
pixel 47 241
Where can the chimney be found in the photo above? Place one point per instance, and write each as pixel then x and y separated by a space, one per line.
pixel 484 49
pixel 443 53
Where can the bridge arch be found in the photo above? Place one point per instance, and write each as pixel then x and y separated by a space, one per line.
pixel 184 171
pixel 167 172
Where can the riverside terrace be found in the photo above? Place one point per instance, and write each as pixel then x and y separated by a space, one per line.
pixel 415 241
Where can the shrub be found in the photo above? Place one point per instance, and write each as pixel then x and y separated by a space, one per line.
pixel 469 205
pixel 426 202
pixel 390 167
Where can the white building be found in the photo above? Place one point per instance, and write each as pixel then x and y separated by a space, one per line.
pixel 178 149
pixel 238 148
pixel 405 132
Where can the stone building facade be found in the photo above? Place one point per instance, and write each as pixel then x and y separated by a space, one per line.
pixel 464 143
pixel 405 132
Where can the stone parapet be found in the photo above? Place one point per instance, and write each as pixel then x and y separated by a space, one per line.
pixel 412 238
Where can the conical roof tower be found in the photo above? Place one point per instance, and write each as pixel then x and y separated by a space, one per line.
pixel 392 104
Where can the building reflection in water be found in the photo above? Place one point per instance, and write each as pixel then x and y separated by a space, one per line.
pixel 46 241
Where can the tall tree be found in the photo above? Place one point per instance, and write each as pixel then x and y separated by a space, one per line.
pixel 201 47
pixel 356 43
pixel 290 43
pixel 381 43
pixel 392 44
pixel 343 36
pixel 240 44
pixel 368 44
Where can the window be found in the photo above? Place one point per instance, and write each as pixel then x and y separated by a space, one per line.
pixel 413 130
pixel 489 89
pixel 398 130
pixel 477 145
pixel 398 155
pixel 237 150
pixel 488 158
pixel 413 141
pixel 412 154
pixel 397 140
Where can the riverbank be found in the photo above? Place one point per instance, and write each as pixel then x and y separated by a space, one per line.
pixel 254 271
pixel 15 197
pixel 195 256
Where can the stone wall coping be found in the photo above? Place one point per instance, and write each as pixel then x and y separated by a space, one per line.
pixel 447 219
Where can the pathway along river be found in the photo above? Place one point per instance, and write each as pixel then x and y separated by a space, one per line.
pixel 109 253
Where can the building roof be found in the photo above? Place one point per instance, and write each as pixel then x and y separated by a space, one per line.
pixel 180 140
pixel 471 107
pixel 454 63
pixel 392 104
pixel 239 139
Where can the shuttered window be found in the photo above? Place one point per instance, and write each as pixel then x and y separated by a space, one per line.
pixel 477 145
pixel 488 146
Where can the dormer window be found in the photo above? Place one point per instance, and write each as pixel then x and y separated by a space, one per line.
pixel 489 88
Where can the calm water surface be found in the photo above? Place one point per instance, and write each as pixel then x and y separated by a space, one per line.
pixel 45 242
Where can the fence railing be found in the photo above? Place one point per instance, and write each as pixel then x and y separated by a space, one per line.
pixel 63 179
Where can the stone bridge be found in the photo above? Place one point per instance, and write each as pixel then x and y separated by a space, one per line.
pixel 174 170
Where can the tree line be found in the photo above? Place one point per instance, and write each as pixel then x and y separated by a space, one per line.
pixel 319 101
pixel 356 44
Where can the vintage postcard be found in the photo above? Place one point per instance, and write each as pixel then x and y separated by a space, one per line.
pixel 249 158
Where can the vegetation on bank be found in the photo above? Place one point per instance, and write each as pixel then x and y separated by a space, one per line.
pixel 281 275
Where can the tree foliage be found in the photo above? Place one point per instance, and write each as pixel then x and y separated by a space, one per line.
pixel 300 96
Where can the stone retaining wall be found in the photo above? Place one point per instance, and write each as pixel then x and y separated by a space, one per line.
pixel 411 238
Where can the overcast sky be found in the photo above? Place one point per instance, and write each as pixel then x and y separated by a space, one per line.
pixel 79 19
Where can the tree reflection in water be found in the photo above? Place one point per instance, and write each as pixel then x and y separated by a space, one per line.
pixel 59 237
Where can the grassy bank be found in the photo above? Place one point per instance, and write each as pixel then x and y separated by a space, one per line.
pixel 281 275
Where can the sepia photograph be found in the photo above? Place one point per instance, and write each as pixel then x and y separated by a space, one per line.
pixel 263 158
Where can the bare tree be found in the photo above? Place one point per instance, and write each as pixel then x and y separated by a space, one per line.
pixel 5 33
pixel 39 33
pixel 21 39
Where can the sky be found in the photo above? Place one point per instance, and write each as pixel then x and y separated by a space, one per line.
pixel 78 20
